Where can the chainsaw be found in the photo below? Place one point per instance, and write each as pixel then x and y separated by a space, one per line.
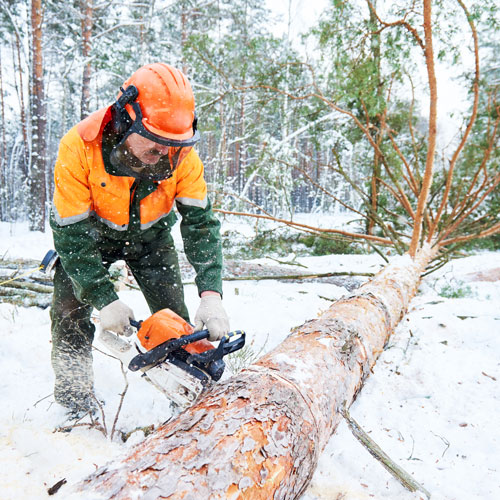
pixel 178 361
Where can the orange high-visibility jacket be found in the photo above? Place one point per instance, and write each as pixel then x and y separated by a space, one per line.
pixel 83 188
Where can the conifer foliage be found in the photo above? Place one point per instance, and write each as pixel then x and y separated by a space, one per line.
pixel 346 118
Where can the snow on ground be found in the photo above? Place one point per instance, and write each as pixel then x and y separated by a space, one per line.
pixel 432 402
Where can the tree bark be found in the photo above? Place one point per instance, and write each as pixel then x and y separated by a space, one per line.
pixel 432 135
pixel 87 23
pixel 24 119
pixel 3 143
pixel 37 179
pixel 259 434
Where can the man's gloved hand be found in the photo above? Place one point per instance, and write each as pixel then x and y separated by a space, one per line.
pixel 115 317
pixel 212 315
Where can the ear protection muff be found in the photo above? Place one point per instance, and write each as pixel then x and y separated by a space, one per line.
pixel 195 123
pixel 121 119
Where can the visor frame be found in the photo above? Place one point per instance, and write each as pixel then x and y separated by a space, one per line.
pixel 139 128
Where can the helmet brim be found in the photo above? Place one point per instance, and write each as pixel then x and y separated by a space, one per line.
pixel 141 127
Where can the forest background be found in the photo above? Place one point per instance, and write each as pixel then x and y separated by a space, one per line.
pixel 325 122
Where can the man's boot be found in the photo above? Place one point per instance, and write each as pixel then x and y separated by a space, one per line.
pixel 74 380
pixel 72 336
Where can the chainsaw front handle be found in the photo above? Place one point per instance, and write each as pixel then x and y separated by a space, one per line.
pixel 234 345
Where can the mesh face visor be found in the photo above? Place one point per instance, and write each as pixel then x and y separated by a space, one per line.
pixel 157 161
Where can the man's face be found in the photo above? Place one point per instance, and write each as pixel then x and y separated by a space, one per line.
pixel 145 150
pixel 147 159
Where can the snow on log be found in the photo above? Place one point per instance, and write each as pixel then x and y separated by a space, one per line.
pixel 259 434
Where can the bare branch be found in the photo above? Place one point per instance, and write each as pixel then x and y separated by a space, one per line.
pixel 472 119
pixel 429 164
pixel 412 183
pixel 377 239
pixel 122 398
pixel 321 188
pixel 117 26
pixel 474 207
pixel 400 22
pixel 483 234
pixel 374 449
pixel 402 201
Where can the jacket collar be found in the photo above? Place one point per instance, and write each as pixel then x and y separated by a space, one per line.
pixel 90 127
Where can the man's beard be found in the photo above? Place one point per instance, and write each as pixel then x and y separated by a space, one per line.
pixel 128 164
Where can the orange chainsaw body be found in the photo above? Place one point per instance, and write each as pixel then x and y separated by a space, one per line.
pixel 165 325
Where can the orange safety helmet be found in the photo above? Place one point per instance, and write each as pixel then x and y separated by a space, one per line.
pixel 166 100
pixel 157 103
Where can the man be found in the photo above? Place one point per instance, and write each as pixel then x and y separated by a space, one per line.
pixel 117 175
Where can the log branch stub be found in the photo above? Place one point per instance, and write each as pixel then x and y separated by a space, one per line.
pixel 238 441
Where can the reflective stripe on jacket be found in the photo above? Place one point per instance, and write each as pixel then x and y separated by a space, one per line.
pixel 83 188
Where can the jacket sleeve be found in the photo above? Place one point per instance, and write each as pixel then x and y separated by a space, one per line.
pixel 72 230
pixel 81 259
pixel 200 232
pixel 200 229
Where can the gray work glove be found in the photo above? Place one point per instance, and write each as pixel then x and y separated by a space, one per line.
pixel 212 315
pixel 115 317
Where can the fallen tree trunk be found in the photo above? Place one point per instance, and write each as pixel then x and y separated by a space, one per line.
pixel 27 285
pixel 259 434
pixel 24 298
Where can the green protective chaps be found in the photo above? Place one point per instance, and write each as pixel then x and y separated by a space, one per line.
pixel 156 270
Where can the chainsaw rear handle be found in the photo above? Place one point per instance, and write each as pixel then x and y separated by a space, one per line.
pixel 48 263
pixel 136 324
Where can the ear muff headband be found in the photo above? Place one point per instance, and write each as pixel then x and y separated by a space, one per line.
pixel 121 119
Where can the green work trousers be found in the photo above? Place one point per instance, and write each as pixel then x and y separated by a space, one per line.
pixel 156 270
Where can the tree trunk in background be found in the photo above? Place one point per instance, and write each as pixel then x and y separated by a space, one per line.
pixel 239 147
pixel 375 41
pixel 24 120
pixel 38 124
pixel 87 21
pixel 184 37
pixel 259 434
pixel 3 145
